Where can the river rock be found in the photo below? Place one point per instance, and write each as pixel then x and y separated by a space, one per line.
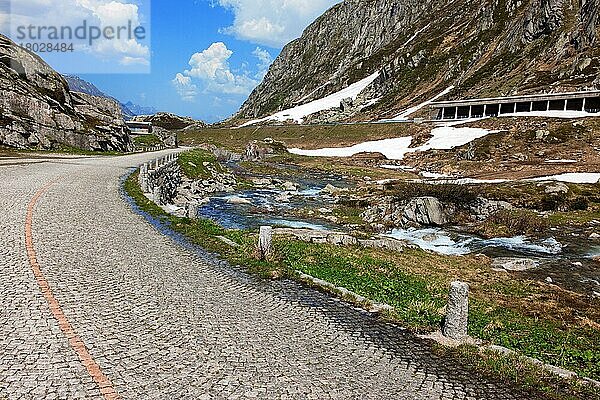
pixel 255 151
pixel 555 189
pixel 262 182
pixel 425 211
pixel 332 190
pixel 290 187
pixel 484 208
pixel 514 264
pixel 283 198
pixel 238 200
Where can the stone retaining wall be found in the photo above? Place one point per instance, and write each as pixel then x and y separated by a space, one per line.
pixel 161 179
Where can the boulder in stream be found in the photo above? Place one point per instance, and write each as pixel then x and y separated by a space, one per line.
pixel 425 211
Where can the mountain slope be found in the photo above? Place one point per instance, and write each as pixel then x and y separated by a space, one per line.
pixel 38 110
pixel 136 109
pixel 483 48
pixel 128 109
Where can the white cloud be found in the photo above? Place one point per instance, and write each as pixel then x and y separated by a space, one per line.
pixel 211 62
pixel 265 61
pixel 184 86
pixel 98 13
pixel 134 61
pixel 116 14
pixel 273 22
pixel 212 70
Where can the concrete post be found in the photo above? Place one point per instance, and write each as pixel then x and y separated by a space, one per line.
pixel 548 105
pixel 470 112
pixel 484 110
pixel 530 106
pixel 265 241
pixel 515 109
pixel 457 311
pixel 565 109
pixel 456 113
pixel 583 108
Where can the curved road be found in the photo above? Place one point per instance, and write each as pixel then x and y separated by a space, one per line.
pixel 98 304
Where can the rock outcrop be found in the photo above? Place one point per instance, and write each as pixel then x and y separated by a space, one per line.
pixel 38 110
pixel 425 211
pixel 483 48
pixel 171 122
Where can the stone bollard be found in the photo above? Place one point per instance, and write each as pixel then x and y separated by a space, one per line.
pixel 191 210
pixel 144 178
pixel 457 311
pixel 265 241
pixel 157 195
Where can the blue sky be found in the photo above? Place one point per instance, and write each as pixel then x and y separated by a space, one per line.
pixel 206 55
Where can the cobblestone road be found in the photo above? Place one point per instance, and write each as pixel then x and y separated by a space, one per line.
pixel 162 321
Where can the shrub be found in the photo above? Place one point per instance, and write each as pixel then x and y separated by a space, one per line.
pixel 460 195
pixel 513 223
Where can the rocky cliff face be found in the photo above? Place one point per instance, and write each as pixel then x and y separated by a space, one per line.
pixel 171 122
pixel 37 109
pixel 483 48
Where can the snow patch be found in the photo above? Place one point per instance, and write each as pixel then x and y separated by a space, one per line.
pixel 393 149
pixel 433 175
pixel 573 177
pixel 560 161
pixel 444 138
pixel 398 167
pixel 413 37
pixel 404 116
pixel 332 101
pixel 465 181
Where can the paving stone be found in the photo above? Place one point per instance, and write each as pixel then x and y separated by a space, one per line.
pixel 163 319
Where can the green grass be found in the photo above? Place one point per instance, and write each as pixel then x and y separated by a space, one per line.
pixel 576 349
pixel 193 166
pixel 514 370
pixel 415 283
pixel 147 141
pixel 417 305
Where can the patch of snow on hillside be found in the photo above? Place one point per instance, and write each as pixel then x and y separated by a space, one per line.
pixel 404 116
pixel 394 149
pixel 462 181
pixel 433 175
pixel 444 138
pixel 332 101
pixel 560 161
pixel 413 37
pixel 573 177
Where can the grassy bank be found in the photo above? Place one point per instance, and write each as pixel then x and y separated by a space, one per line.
pixel 147 141
pixel 533 318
